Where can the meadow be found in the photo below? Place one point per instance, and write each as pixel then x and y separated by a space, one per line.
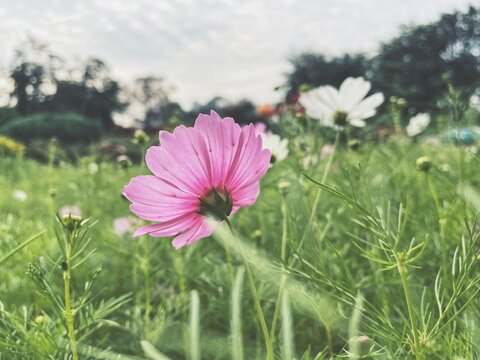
pixel 355 252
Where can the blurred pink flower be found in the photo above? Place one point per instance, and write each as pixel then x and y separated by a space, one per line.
pixel 326 150
pixel 207 171
pixel 125 224
pixel 72 210
pixel 260 127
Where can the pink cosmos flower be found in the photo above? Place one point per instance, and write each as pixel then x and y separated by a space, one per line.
pixel 205 172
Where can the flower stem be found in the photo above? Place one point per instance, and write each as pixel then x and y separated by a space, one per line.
pixel 256 300
pixel 283 278
pixel 318 194
pixel 69 313
pixel 403 272
pixel 442 222
pixel 146 274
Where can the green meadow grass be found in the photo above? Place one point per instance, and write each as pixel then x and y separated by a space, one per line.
pixel 385 268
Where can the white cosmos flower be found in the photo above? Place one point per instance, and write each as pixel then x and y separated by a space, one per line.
pixel 347 105
pixel 277 145
pixel 418 124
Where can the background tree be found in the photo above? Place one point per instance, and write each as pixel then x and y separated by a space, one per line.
pixel 316 69
pixel 414 65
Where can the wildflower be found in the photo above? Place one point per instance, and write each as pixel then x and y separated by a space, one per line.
pixel 273 142
pixel 424 163
pixel 326 150
pixel 265 110
pixel 206 172
pixel 277 145
pixel 20 195
pixel 346 106
pixel 283 186
pixel 125 224
pixel 354 144
pixel 72 210
pixel 418 124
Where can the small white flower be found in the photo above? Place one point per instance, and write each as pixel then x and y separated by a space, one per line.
pixel 418 124
pixel 20 195
pixel 475 101
pixel 277 145
pixel 347 105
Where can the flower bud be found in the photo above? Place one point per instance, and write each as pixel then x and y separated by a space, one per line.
pixel 363 343
pixel 140 137
pixel 257 235
pixel 124 161
pixel 71 222
pixel 40 319
pixel 354 144
pixel 424 163
pixel 283 186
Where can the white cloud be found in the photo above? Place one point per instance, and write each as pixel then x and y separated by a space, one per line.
pixel 206 47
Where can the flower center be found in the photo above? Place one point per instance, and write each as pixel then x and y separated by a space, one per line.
pixel 340 118
pixel 217 204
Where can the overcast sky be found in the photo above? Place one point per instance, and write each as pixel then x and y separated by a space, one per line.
pixel 232 48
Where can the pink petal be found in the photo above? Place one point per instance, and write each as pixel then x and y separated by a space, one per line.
pixel 221 137
pixel 246 196
pixel 199 230
pixel 154 199
pixel 169 228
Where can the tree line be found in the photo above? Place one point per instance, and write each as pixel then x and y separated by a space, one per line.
pixel 417 65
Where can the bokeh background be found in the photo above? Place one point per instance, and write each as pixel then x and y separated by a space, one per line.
pixel 151 64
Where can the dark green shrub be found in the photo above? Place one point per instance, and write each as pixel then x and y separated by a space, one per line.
pixel 67 127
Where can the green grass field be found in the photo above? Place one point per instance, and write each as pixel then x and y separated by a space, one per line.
pixel 378 260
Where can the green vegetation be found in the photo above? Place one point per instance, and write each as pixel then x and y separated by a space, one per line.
pixel 388 268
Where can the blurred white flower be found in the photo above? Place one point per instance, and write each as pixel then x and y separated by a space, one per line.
pixel 418 124
pixel 475 101
pixel 70 210
pixel 277 145
pixel 347 105
pixel 20 195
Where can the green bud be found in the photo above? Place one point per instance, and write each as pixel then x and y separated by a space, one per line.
pixel 140 137
pixel 40 319
pixel 124 161
pixel 257 235
pixel 71 222
pixel 363 343
pixel 424 163
pixel 283 186
pixel 354 144
pixel 304 88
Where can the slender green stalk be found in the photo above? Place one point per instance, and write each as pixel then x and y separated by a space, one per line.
pixel 442 222
pixel 195 326
pixel 146 274
pixel 256 300
pixel 318 194
pixel 236 320
pixel 283 278
pixel 69 313
pixel 403 272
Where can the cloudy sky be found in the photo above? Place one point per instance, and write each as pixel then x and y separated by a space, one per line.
pixel 232 48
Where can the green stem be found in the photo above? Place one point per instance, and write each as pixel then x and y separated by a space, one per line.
pixel 146 274
pixel 256 300
pixel 283 278
pixel 69 313
pixel 403 272
pixel 442 222
pixel 318 194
